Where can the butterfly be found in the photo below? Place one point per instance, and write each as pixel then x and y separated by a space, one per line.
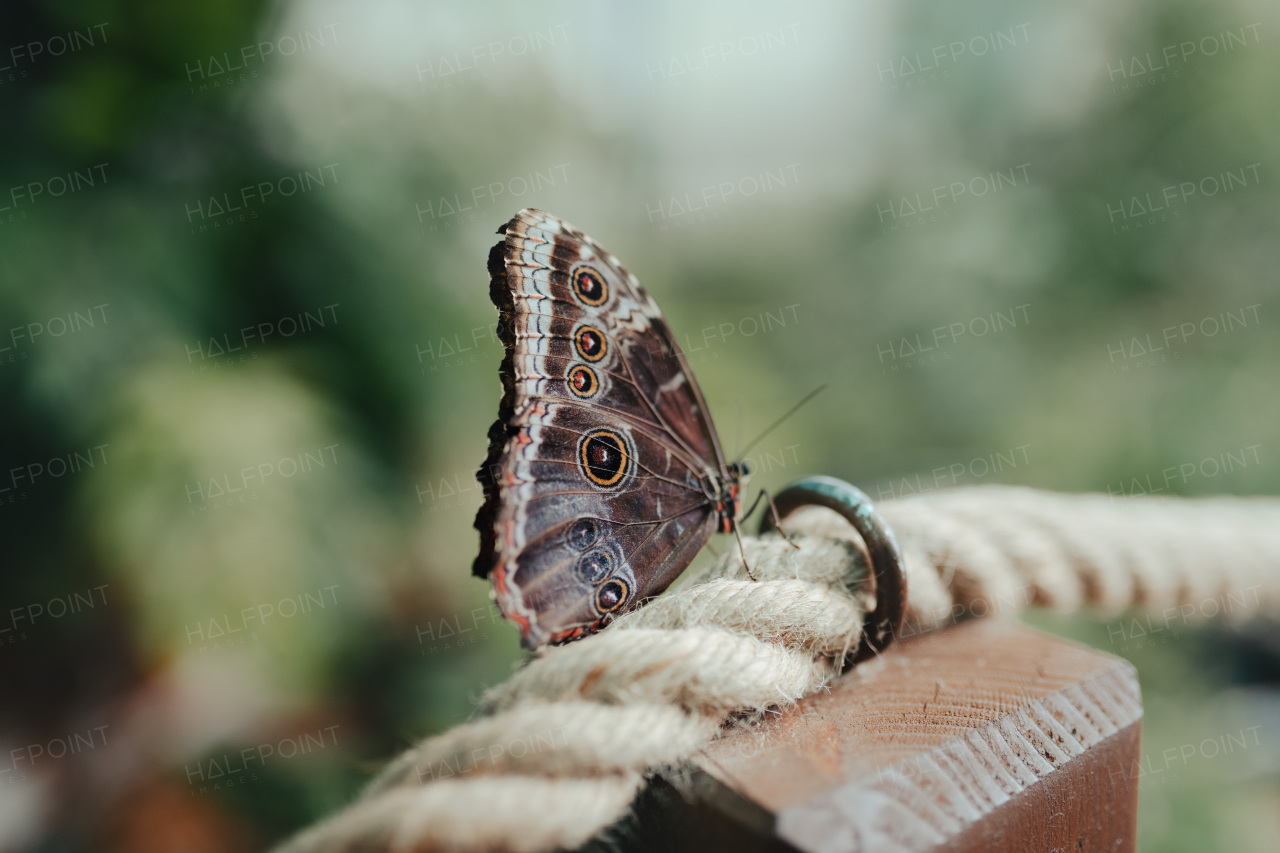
pixel 604 476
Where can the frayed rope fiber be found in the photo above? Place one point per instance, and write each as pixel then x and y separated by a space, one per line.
pixel 558 752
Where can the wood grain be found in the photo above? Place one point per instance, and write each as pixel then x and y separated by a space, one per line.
pixel 985 736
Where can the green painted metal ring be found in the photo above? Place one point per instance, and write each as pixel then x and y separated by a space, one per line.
pixel 883 622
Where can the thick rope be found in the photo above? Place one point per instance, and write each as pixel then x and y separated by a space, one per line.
pixel 558 752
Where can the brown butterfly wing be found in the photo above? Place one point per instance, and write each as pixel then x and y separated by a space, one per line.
pixel 603 467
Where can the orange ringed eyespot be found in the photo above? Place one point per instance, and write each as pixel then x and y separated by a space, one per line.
pixel 611 595
pixel 590 344
pixel 589 286
pixel 604 457
pixel 582 381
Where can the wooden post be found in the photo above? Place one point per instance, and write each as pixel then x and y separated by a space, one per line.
pixel 986 736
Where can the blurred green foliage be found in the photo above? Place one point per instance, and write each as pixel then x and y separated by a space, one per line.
pixel 606 121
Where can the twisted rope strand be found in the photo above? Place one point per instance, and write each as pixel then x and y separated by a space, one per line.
pixel 559 751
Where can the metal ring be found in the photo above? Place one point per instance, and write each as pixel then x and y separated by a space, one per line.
pixel 884 621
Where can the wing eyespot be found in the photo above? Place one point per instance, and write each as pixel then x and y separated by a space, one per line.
pixel 583 534
pixel 582 382
pixel 611 596
pixel 605 457
pixel 594 566
pixel 590 344
pixel 569 401
pixel 590 287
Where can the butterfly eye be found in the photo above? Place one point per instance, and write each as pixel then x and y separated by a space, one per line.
pixel 604 457
pixel 583 534
pixel 593 566
pixel 611 596
pixel 590 286
pixel 589 342
pixel 583 382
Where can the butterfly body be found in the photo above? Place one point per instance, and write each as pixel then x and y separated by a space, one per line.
pixel 605 476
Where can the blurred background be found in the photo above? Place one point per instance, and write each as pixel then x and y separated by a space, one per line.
pixel 247 362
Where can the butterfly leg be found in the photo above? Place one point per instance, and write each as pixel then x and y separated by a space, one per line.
pixel 773 511
pixel 743 552
pixel 777 521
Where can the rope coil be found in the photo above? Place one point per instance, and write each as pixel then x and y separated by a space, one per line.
pixel 659 683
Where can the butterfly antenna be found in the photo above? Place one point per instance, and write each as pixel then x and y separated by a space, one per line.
pixel 815 392
pixel 737 428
